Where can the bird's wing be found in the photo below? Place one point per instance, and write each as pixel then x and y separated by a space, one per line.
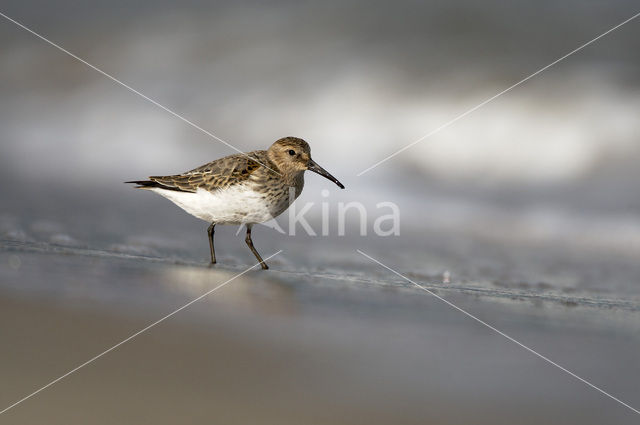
pixel 218 174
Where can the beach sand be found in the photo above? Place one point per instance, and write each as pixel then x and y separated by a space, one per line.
pixel 286 347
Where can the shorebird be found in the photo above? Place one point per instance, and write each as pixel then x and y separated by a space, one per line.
pixel 246 188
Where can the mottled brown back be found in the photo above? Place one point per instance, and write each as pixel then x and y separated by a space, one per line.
pixel 218 174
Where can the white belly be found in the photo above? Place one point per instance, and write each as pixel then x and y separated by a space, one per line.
pixel 235 205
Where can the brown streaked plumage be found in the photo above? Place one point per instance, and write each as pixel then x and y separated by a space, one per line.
pixel 242 188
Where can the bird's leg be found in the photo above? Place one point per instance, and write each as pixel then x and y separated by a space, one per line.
pixel 252 248
pixel 210 232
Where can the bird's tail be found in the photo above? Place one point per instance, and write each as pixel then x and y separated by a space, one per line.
pixel 145 184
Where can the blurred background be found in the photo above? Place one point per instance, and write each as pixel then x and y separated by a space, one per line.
pixel 530 202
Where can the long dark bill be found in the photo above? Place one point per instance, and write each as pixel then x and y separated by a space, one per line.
pixel 312 166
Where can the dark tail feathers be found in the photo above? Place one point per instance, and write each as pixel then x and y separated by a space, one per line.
pixel 147 184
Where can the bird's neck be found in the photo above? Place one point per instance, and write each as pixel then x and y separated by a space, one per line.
pixel 294 179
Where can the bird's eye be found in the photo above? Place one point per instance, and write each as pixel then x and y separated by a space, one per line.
pixel 292 152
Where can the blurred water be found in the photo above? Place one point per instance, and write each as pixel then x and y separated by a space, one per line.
pixel 357 82
pixel 357 90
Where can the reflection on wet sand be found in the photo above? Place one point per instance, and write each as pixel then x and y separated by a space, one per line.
pixel 269 296
pixel 284 348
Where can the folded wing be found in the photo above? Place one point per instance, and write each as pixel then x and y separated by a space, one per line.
pixel 219 174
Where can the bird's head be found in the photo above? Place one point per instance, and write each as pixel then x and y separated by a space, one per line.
pixel 293 155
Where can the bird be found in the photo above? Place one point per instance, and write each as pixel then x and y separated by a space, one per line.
pixel 241 189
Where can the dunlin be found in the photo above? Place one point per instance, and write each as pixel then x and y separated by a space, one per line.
pixel 241 189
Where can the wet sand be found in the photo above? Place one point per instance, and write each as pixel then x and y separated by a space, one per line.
pixel 286 347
